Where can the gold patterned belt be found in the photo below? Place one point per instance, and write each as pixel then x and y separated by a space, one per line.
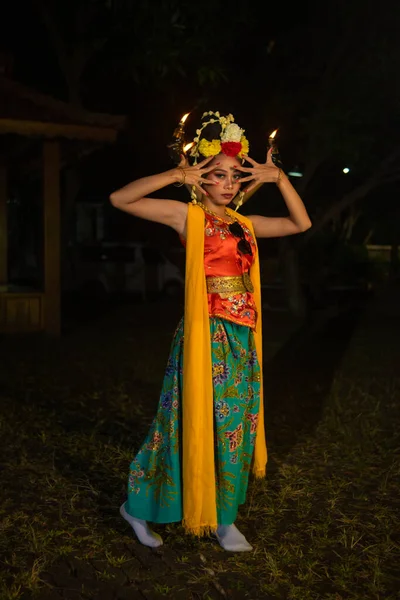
pixel 235 284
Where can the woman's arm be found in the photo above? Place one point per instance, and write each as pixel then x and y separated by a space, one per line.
pixel 298 219
pixel 133 199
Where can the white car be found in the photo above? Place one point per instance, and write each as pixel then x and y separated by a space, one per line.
pixel 117 268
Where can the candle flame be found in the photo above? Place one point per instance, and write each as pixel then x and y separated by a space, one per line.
pixel 188 146
pixel 184 118
pixel 273 134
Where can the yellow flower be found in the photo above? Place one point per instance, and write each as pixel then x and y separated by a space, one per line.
pixel 217 370
pixel 245 145
pixel 207 148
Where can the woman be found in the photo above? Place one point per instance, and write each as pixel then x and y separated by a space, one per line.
pixel 209 431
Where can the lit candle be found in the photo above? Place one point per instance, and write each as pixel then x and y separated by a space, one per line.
pixel 176 147
pixel 275 156
pixel 187 147
pixel 271 139
pixel 241 198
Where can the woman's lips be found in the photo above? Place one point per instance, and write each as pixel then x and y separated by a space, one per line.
pixel 228 196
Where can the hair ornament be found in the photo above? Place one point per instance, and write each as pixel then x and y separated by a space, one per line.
pixel 229 137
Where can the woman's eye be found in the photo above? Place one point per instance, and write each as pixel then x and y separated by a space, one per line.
pixel 219 175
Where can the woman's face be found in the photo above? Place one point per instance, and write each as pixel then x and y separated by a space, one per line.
pixel 227 177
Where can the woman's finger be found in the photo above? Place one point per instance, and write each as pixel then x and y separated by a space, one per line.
pixel 250 187
pixel 244 169
pixel 200 189
pixel 209 168
pixel 249 178
pixel 269 157
pixel 250 160
pixel 204 162
pixel 183 162
pixel 208 182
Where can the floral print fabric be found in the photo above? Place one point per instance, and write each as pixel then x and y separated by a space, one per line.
pixel 155 483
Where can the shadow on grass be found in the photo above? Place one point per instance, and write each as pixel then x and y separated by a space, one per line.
pixel 298 379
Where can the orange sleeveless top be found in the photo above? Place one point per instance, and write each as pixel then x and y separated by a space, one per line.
pixel 222 259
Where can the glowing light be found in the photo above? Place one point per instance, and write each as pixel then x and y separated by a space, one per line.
pixel 295 173
pixel 184 118
pixel 273 134
pixel 188 146
pixel 346 170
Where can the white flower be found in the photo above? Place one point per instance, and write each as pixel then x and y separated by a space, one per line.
pixel 232 133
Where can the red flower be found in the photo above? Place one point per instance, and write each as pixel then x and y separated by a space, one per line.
pixel 231 148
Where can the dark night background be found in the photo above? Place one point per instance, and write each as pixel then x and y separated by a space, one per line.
pixel 75 407
pixel 325 74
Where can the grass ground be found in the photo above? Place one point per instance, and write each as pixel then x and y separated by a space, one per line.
pixel 325 522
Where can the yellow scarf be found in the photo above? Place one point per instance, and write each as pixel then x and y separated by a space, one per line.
pixel 198 466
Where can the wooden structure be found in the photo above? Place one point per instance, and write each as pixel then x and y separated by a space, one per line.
pixel 27 116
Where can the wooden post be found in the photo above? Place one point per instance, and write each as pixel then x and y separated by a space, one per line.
pixel 3 225
pixel 51 202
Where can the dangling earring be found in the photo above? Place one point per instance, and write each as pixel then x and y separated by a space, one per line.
pixel 240 200
pixel 193 194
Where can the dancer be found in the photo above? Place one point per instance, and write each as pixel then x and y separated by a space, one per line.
pixel 208 433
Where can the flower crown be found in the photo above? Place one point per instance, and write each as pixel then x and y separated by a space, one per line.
pixel 231 142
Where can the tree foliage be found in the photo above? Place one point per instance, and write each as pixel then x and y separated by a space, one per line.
pixel 331 81
pixel 339 93
pixel 150 42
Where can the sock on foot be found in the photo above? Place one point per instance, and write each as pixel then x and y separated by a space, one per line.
pixel 144 534
pixel 231 539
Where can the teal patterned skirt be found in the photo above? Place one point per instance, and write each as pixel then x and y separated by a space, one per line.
pixel 155 478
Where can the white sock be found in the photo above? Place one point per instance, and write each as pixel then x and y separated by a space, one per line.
pixel 144 534
pixel 231 539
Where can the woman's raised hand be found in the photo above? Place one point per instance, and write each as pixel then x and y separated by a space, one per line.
pixel 195 174
pixel 259 173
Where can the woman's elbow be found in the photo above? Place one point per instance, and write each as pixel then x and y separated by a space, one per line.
pixel 306 226
pixel 113 197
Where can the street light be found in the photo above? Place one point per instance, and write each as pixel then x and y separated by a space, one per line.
pixel 295 172
pixel 346 170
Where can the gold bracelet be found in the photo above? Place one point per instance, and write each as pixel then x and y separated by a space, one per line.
pixel 279 177
pixel 182 182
